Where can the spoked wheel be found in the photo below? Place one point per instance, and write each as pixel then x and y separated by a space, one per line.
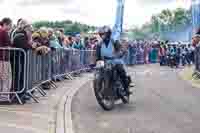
pixel 105 101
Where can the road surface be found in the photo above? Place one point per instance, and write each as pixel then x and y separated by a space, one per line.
pixel 162 103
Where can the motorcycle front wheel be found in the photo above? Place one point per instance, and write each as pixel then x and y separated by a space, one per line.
pixel 105 101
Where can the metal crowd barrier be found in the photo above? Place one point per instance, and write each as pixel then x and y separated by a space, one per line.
pixel 13 67
pixel 140 57
pixel 23 73
pixel 38 72
pixel 89 59
pixel 132 56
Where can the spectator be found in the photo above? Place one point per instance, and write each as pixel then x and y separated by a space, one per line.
pixel 162 54
pixel 187 55
pixel 5 68
pixel 36 36
pixel 183 55
pixel 23 36
pixel 44 36
pixel 172 51
pixel 195 43
pixel 86 43
pixel 12 33
pixel 178 55
pixel 191 53
pixel 154 54
pixel 22 39
pixel 41 49
pixel 93 43
pixel 94 46
pixel 70 42
pixel 78 44
pixel 53 40
pixel 65 42
pixel 132 54
pixel 6 25
pixel 196 39
pixel 61 37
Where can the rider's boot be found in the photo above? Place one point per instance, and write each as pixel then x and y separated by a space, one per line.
pixel 130 83
pixel 128 92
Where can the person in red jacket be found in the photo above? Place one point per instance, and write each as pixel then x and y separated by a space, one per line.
pixel 6 25
pixel 5 68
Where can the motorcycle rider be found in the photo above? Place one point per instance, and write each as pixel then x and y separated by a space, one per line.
pixel 183 55
pixel 108 49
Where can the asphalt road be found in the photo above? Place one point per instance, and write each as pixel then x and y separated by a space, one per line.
pixel 162 103
pixel 38 117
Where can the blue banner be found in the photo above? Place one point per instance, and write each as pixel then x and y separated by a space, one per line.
pixel 195 15
pixel 118 27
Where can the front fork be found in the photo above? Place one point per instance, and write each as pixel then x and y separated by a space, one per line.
pixel 108 82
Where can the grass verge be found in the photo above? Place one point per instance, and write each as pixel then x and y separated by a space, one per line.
pixel 188 75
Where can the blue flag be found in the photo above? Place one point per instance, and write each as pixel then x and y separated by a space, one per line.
pixel 118 27
pixel 195 14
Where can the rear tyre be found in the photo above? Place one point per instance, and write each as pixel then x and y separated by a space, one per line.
pixel 125 99
pixel 123 94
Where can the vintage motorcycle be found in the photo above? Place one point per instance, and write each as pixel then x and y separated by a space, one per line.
pixel 172 61
pixel 108 86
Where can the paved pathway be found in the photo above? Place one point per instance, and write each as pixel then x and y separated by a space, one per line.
pixel 163 103
pixel 37 117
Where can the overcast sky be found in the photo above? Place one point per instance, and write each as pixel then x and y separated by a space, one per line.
pixel 94 12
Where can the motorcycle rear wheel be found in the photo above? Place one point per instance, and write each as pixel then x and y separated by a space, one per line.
pixel 125 99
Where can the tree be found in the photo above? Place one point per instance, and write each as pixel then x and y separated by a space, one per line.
pixel 166 21
pixel 67 25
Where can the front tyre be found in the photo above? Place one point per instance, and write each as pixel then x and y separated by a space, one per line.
pixel 100 86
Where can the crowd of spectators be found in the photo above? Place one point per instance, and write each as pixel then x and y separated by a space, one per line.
pixel 23 35
pixel 183 54
pixel 141 52
pixel 41 41
pixel 147 51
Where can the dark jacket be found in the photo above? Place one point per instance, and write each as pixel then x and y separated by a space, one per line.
pixel 21 41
